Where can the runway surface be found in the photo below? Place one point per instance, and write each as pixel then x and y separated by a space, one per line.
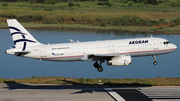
pixel 51 92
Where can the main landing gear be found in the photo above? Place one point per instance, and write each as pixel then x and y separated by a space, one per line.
pixel 99 67
pixel 154 58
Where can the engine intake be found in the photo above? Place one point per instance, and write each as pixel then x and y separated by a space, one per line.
pixel 120 60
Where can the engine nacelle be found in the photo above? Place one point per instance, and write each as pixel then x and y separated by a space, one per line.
pixel 120 60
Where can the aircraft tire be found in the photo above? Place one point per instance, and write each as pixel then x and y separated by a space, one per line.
pixel 155 63
pixel 100 69
pixel 96 65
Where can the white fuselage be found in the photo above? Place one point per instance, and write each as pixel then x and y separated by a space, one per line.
pixel 115 52
pixel 78 51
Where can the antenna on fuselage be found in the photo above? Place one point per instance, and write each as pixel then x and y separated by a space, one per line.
pixel 72 41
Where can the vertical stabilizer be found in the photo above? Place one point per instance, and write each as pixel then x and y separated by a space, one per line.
pixel 21 37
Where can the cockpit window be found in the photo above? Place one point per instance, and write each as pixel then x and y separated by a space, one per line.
pixel 166 42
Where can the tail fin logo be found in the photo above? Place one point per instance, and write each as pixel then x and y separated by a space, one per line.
pixel 23 37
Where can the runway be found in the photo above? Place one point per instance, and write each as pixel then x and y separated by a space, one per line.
pixel 52 92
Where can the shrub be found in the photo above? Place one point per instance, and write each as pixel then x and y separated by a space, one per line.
pixel 130 4
pixel 109 4
pixel 109 20
pixel 48 9
pixel 173 25
pixel 153 2
pixel 78 5
pixel 105 3
pixel 5 4
pixel 81 80
pixel 147 22
pixel 71 4
pixel 50 2
pixel 128 20
pixel 100 22
pixel 8 15
pixel 123 1
pixel 161 1
pixel 175 4
pixel 25 18
pixel 87 79
pixel 175 22
pixel 49 21
pixel 123 5
pixel 118 21
pixel 162 21
pixel 103 24
pixel 155 23
pixel 30 18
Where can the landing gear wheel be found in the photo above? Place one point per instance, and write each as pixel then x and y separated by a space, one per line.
pixel 155 63
pixel 100 69
pixel 154 58
pixel 96 65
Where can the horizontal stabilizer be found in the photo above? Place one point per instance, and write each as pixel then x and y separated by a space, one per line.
pixel 22 53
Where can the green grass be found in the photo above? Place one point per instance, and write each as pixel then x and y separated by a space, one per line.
pixel 165 30
pixel 158 81
pixel 88 9
pixel 85 14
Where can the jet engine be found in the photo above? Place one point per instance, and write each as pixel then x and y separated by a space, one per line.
pixel 120 60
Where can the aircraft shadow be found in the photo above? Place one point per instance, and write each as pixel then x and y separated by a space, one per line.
pixel 12 85
pixel 84 88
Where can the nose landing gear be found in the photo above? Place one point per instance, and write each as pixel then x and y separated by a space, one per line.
pixel 155 63
pixel 154 58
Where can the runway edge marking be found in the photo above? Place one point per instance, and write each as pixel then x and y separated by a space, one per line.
pixel 116 96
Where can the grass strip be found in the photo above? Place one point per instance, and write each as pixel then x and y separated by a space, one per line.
pixel 158 81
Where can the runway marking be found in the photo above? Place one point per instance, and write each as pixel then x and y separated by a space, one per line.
pixel 114 94
pixel 130 94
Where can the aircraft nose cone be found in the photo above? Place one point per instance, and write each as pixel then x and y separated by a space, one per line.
pixel 174 47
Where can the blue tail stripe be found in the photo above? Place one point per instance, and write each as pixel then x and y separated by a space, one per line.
pixel 10 27
pixel 26 40
pixel 23 36
pixel 24 47
pixel 17 33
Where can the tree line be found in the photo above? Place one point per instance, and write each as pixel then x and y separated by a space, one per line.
pixel 153 2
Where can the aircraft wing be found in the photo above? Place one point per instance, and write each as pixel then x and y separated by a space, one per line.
pixel 96 57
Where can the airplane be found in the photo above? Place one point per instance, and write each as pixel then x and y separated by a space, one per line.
pixel 115 52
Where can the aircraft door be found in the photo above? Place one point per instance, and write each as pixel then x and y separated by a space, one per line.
pixel 43 52
pixel 155 44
